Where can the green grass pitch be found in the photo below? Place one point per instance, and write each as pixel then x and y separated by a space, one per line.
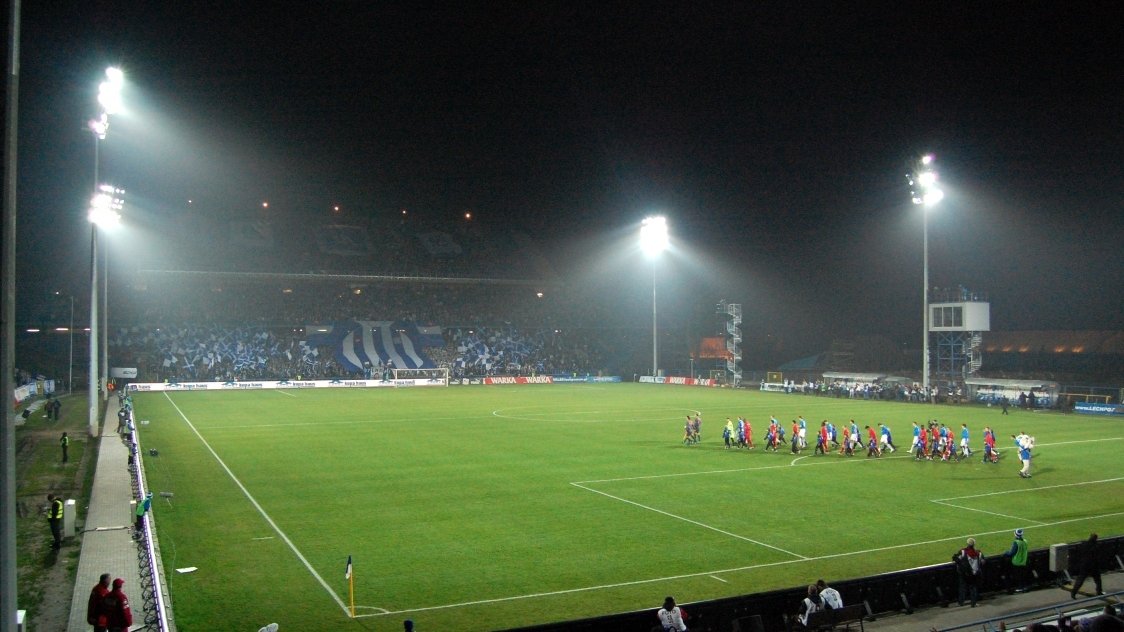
pixel 468 508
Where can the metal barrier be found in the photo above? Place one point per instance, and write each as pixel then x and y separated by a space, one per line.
pixel 1029 616
pixel 154 608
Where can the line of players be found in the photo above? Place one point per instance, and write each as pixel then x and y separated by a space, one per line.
pixel 935 441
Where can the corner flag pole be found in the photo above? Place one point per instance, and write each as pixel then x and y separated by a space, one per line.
pixel 350 586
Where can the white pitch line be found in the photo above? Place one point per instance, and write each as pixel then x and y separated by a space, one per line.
pixel 280 392
pixel 719 579
pixel 990 513
pixel 840 461
pixel 688 520
pixel 570 591
pixel 1033 489
pixel 261 510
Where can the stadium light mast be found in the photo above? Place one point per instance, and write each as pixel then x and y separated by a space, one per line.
pixel 101 211
pixel 653 241
pixel 925 193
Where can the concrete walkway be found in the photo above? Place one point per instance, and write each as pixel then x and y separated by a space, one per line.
pixel 996 608
pixel 107 541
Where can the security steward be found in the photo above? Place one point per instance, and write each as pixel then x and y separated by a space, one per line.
pixel 54 518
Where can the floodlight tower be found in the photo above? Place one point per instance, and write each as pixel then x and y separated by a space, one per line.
pixel 653 241
pixel 101 210
pixel 925 193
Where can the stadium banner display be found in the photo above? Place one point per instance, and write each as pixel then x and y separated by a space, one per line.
pixel 587 379
pixel 538 379
pixel 467 381
pixel 128 373
pixel 22 393
pixel 274 384
pixel 1096 408
pixel 774 386
pixel 685 381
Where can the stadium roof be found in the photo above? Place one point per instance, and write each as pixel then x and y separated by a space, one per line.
pixel 1056 341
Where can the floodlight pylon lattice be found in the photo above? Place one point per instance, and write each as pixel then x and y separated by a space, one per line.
pixel 733 311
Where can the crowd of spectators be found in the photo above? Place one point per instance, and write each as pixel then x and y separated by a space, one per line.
pixel 897 391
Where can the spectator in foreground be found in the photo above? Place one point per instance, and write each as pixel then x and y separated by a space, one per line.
pixel 95 610
pixel 671 616
pixel 812 603
pixel 117 608
pixel 969 567
pixel 831 597
pixel 1089 567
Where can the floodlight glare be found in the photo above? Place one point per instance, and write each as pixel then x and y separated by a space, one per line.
pixel 932 196
pixel 653 235
pixel 109 91
pixel 925 160
pixel 926 179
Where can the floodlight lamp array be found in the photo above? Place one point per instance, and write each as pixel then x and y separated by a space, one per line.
pixel 106 205
pixel 923 183
pixel 653 235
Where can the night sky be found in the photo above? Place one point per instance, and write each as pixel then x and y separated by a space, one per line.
pixel 775 137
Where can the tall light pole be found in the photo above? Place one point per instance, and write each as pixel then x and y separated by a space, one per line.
pixel 104 211
pixel 109 98
pixel 653 241
pixel 926 194
pixel 70 366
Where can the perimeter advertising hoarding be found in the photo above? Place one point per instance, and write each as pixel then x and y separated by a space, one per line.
pixel 1096 408
pixel 272 384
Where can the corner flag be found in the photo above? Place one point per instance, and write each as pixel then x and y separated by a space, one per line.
pixel 350 577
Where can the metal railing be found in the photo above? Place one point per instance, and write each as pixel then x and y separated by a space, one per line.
pixel 155 611
pixel 1031 616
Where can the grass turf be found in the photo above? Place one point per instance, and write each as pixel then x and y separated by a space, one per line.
pixel 495 507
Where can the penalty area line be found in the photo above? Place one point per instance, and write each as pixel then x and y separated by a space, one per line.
pixel 689 521
pixel 990 513
pixel 260 509
pixel 1032 489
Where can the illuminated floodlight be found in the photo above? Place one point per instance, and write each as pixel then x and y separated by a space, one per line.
pixel 105 206
pixel 923 183
pixel 109 91
pixel 100 126
pixel 653 235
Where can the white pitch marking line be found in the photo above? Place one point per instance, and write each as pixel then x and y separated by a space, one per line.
pixel 268 537
pixel 737 469
pixel 280 392
pixel 260 509
pixel 719 579
pixel 653 580
pixel 688 520
pixel 1033 489
pixel 990 513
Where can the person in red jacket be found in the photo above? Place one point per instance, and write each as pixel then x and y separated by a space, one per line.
pixel 118 613
pixel 872 443
pixel 95 611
